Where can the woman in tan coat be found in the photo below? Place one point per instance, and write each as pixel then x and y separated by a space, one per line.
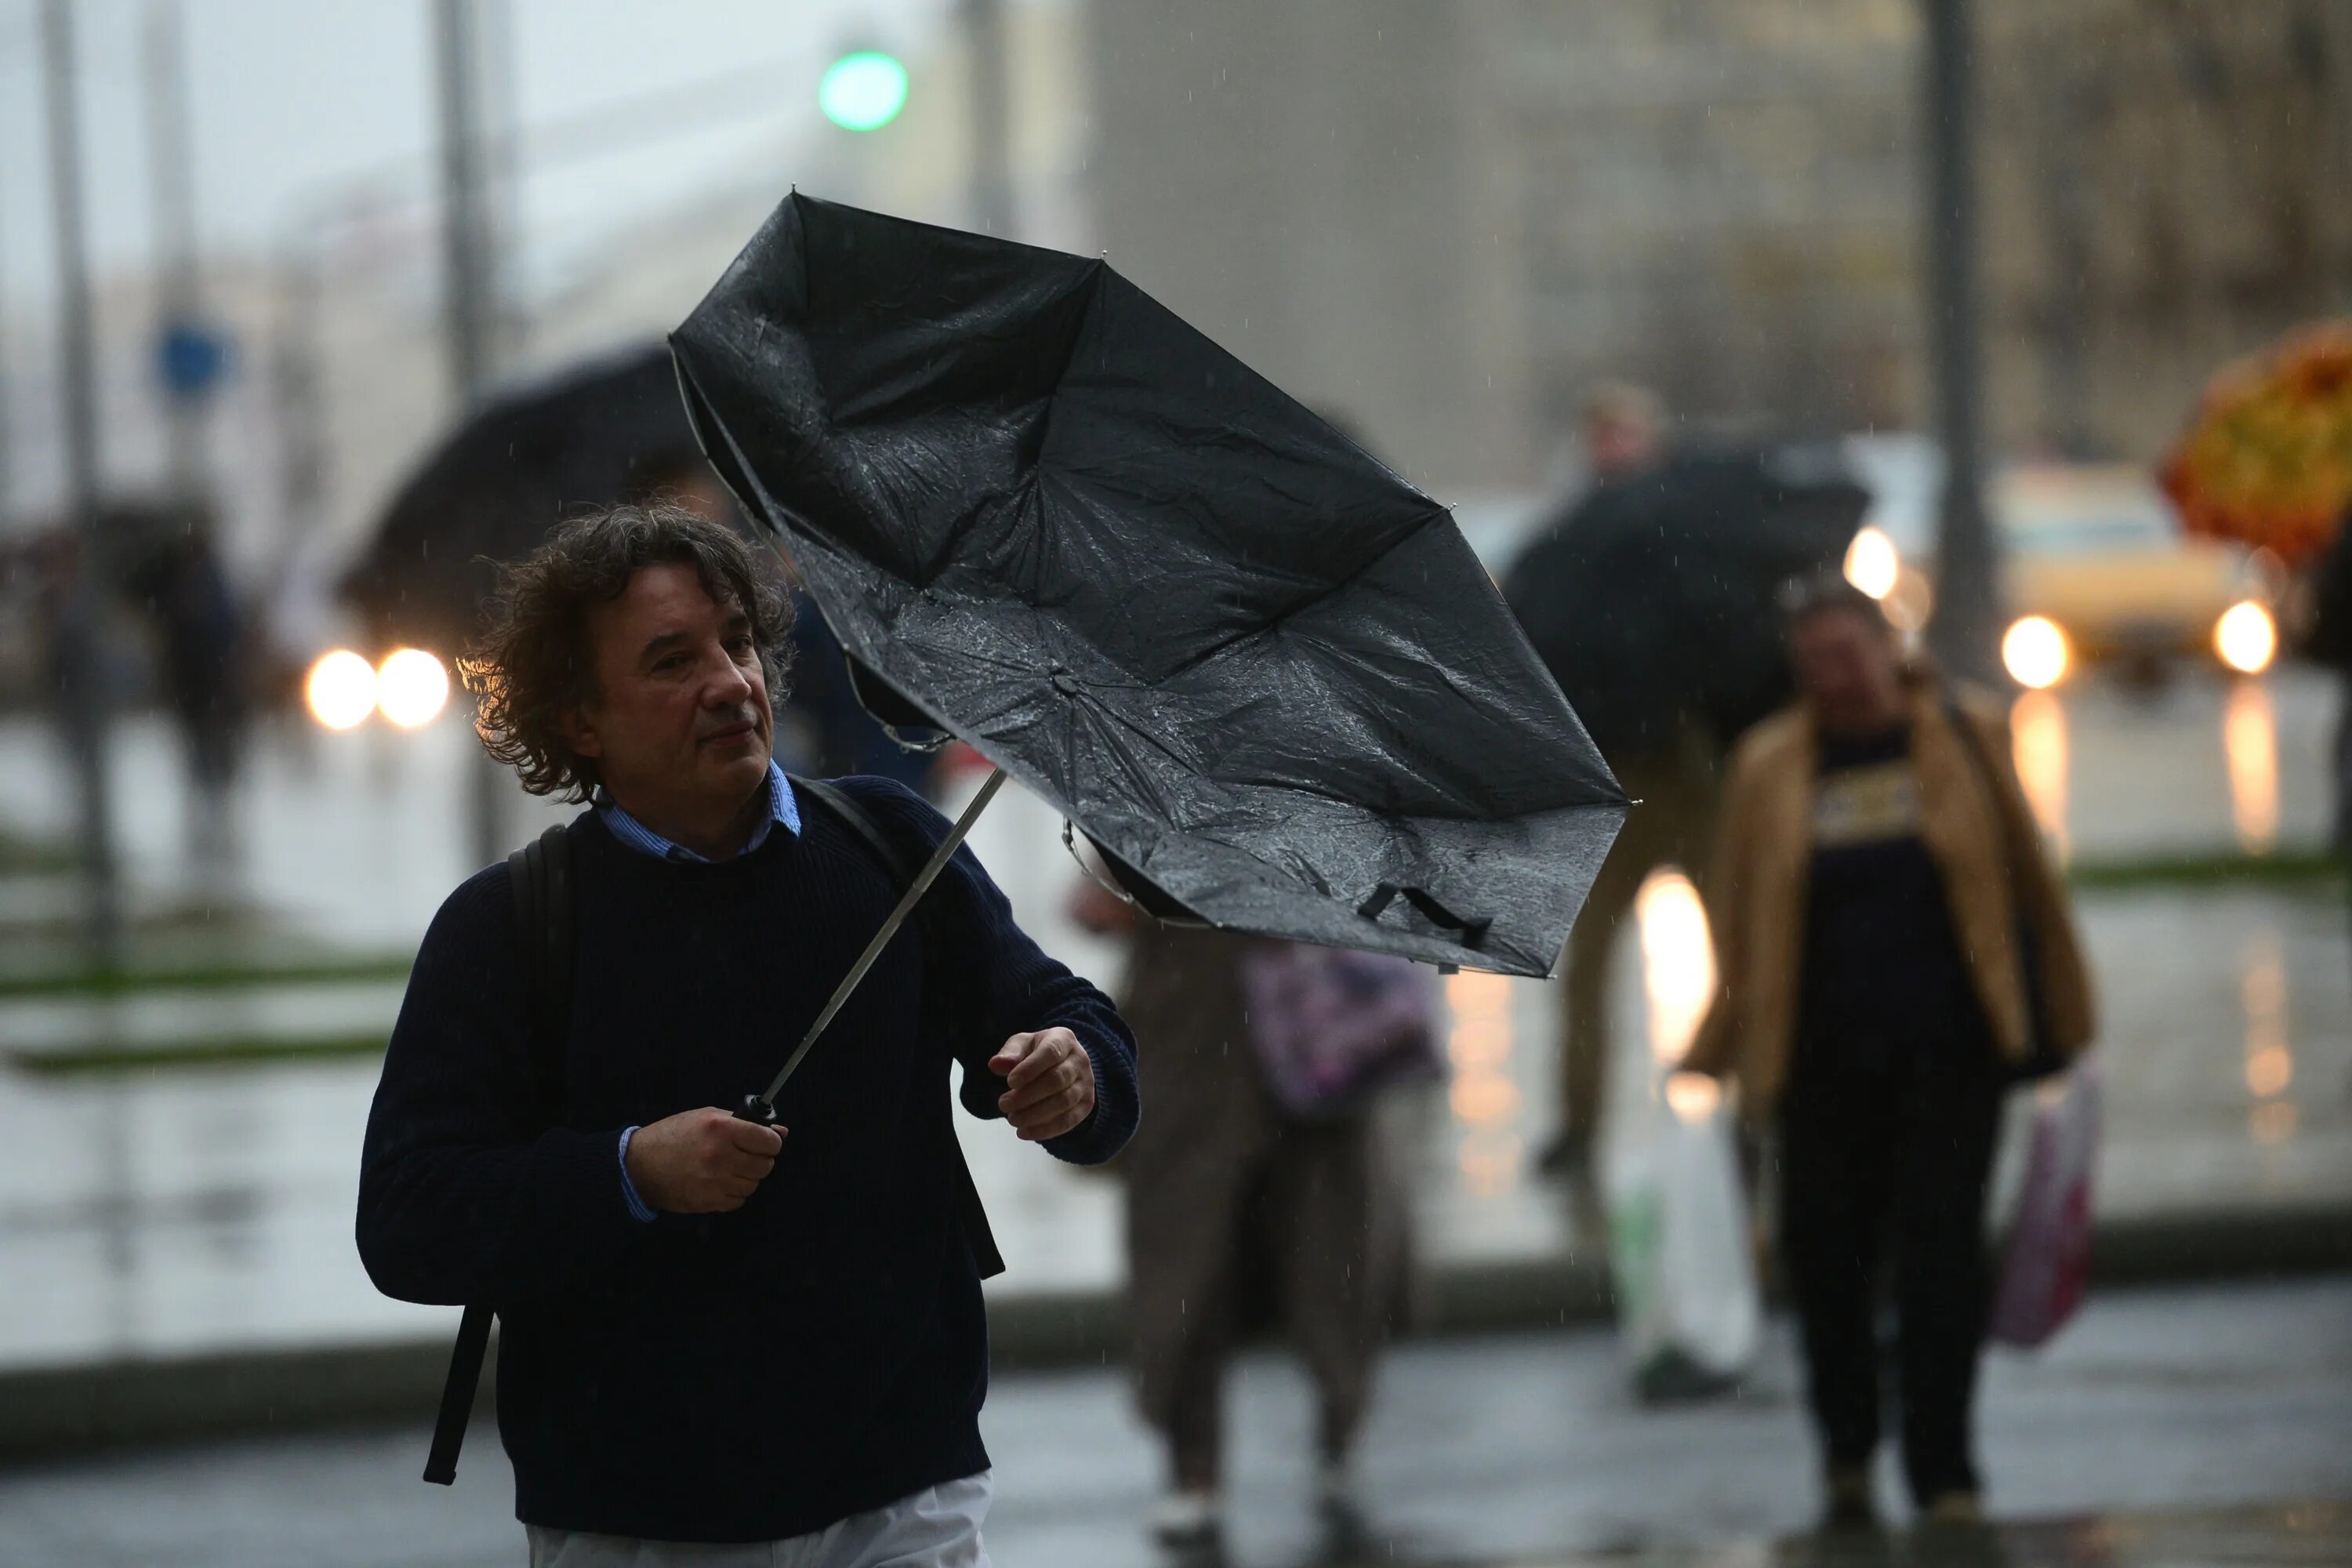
pixel 1880 894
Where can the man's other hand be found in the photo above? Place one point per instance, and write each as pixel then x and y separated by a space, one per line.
pixel 701 1161
pixel 1049 1083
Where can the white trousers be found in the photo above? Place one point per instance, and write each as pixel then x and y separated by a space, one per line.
pixel 938 1527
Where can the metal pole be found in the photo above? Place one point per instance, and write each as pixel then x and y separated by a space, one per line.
pixel 170 131
pixel 8 391
pixel 1968 589
pixel 299 384
pixel 466 303
pixel 82 697
pixel 992 118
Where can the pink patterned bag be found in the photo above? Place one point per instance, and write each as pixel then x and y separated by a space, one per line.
pixel 1332 1028
pixel 2047 1267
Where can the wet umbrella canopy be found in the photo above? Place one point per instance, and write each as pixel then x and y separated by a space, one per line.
pixel 600 432
pixel 1265 675
pixel 1654 603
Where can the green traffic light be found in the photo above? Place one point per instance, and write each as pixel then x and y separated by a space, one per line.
pixel 863 91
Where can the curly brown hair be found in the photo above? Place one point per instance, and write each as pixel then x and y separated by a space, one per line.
pixel 533 661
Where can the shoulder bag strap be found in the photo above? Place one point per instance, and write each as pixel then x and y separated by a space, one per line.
pixel 844 809
pixel 546 915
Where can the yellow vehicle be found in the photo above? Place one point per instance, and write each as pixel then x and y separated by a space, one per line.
pixel 2096 568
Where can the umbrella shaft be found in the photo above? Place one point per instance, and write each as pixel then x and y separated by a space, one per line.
pixel 907 904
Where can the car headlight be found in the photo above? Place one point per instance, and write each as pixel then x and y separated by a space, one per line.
pixel 2036 651
pixel 1872 564
pixel 412 688
pixel 2246 637
pixel 341 690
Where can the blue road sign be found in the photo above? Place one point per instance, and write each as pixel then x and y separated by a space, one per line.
pixel 192 358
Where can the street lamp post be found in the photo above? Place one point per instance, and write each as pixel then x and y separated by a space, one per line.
pixel 172 181
pixel 991 118
pixel 83 699
pixel 466 305
pixel 1968 588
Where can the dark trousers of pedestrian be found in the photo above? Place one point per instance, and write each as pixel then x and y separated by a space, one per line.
pixel 1880 1165
pixel 1680 792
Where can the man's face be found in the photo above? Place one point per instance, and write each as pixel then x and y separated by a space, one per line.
pixel 680 727
pixel 1848 671
pixel 1618 447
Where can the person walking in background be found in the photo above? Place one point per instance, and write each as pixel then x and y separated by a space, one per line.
pixel 1239 1210
pixel 1669 767
pixel 1894 949
pixel 204 678
pixel 2329 642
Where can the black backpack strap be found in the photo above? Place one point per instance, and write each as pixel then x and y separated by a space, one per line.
pixel 843 809
pixel 546 915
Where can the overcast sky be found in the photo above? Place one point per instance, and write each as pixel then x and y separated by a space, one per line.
pixel 291 99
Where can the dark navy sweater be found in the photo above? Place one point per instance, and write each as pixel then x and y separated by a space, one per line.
pixel 818 1352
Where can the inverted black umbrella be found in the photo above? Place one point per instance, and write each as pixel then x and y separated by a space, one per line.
pixel 599 432
pixel 1267 677
pixel 1653 601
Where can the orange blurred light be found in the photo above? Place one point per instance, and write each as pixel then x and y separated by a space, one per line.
pixel 2250 742
pixel 2036 653
pixel 1872 563
pixel 412 688
pixel 1693 1097
pixel 1677 961
pixel 2037 730
pixel 2246 637
pixel 341 690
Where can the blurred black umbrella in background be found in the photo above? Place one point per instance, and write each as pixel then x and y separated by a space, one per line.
pixel 607 431
pixel 1655 601
pixel 1265 675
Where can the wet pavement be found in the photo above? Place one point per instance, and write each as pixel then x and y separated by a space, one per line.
pixel 177 1210
pixel 2189 1428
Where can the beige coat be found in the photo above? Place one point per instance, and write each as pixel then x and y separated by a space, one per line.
pixel 1980 840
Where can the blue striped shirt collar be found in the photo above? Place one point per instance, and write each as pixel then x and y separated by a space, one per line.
pixel 784 810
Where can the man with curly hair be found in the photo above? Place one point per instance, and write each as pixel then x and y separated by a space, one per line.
pixel 718 1344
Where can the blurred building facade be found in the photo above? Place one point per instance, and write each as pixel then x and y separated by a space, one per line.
pixel 1446 220
pixel 1440 222
pixel 2163 186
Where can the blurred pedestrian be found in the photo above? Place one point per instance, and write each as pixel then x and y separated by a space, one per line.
pixel 1895 949
pixel 2329 643
pixel 76 667
pixel 204 650
pixel 1241 1213
pixel 717 1348
pixel 1671 770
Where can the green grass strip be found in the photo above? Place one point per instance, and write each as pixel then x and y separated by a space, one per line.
pixel 21 857
pixel 230 1052
pixel 204 976
pixel 2301 868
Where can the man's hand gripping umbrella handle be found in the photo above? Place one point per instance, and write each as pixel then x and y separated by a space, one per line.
pixel 761 1108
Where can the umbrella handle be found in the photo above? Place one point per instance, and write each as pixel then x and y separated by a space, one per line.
pixel 1473 929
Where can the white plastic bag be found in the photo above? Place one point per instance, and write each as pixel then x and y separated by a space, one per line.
pixel 2046 1268
pixel 1687 1307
